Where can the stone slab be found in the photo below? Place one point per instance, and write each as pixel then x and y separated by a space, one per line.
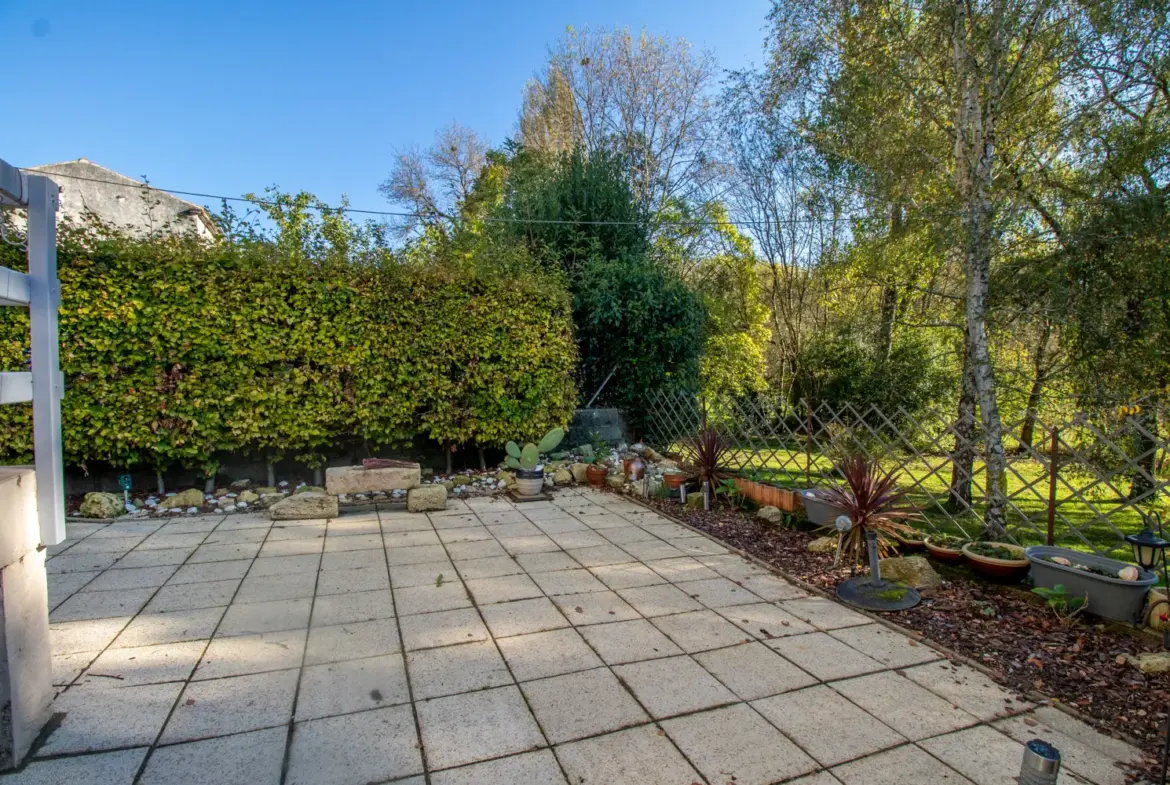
pixel 358 479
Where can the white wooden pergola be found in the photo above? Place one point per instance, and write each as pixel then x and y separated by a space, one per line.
pixel 40 292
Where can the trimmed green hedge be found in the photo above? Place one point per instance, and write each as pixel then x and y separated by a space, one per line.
pixel 175 352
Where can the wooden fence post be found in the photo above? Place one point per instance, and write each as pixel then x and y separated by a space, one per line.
pixel 1053 468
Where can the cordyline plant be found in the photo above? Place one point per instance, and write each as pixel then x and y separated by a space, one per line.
pixel 871 500
pixel 710 448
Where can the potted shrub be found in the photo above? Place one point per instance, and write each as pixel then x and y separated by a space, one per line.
pixel 945 548
pixel 1114 589
pixel 1000 560
pixel 525 461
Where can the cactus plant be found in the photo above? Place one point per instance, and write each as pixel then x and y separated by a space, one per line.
pixel 528 456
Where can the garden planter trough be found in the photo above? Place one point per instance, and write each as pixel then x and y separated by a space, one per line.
pixel 1109 598
pixel 819 511
pixel 1002 569
pixel 766 495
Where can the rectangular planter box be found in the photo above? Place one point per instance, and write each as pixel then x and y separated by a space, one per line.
pixel 1109 598
pixel 767 495
pixel 819 512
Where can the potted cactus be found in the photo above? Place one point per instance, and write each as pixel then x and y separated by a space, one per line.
pixel 525 461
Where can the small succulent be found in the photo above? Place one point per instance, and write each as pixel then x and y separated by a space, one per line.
pixel 528 456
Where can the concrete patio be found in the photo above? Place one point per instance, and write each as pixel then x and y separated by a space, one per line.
pixel 583 640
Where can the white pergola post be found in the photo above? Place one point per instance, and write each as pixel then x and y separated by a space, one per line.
pixel 32 503
pixel 40 292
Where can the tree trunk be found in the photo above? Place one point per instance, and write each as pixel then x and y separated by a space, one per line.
pixel 270 466
pixel 1144 478
pixel 963 457
pixel 162 486
pixel 1039 376
pixel 450 450
pixel 889 304
pixel 482 459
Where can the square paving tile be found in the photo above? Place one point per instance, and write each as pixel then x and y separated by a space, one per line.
pixel 824 614
pixel 532 544
pixel 652 550
pixel 718 592
pixel 478 549
pixel 675 685
pixel 348 608
pixel 530 768
pixel 580 540
pixel 428 599
pixel 487 591
pixel 266 588
pixel 903 705
pixel 886 646
pixel 283 565
pixel 546 562
pixel 192 596
pixel 419 555
pixel 697 545
pixel 594 608
pixel 982 754
pixel 519 529
pixel 454 669
pixel 601 555
pixel 366 524
pixel 476 726
pixel 824 656
pixel 306 547
pixel 244 759
pixel 107 768
pixel 243 654
pixel 576 581
pixel 147 664
pixel 904 766
pixel 465 534
pixel 252 617
pixel 582 704
pixel 627 576
pixel 140 712
pixel 682 569
pixel 660 600
pixel 150 628
pixel 240 703
pixel 754 671
pixel 101 604
pixel 370 746
pixel 543 654
pixel 815 718
pixel 354 685
pixel 968 689
pixel 354 580
pixel 133 578
pixel 629 641
pixel 735 744
pixel 731 566
pixel 522 617
pixel 700 630
pixel 209 553
pixel 638 756
pixel 352 560
pixel 445 628
pixel 620 535
pixel 772 588
pixel 490 567
pixel 425 574
pixel 337 642
pixel 71 637
pixel 764 621
pixel 359 542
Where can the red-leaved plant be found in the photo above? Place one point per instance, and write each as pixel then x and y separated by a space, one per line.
pixel 709 448
pixel 871 500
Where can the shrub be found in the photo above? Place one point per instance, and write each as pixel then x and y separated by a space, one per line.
pixel 174 351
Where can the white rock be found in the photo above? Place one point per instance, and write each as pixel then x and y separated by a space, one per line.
pixel 172 493
pixel 282 483
pixel 75 514
pixel 231 495
pixel 229 508
pixel 131 508
pixel 191 510
pixel 241 505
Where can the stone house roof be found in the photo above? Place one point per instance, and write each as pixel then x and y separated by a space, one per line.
pixel 122 202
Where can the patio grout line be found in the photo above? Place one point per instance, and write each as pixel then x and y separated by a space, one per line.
pixel 187 682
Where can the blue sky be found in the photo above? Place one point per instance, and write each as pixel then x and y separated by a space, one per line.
pixel 229 97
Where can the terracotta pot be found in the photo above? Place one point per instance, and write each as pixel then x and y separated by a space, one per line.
pixel 596 475
pixel 951 556
pixel 634 468
pixel 1003 569
pixel 907 544
pixel 673 481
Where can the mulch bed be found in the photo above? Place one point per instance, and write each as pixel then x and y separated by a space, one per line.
pixel 1007 629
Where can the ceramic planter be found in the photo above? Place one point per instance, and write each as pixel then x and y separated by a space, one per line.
pixel 949 555
pixel 1000 569
pixel 907 543
pixel 1109 598
pixel 819 511
pixel 596 475
pixel 529 482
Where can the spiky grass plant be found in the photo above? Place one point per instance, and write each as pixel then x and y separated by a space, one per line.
pixel 872 501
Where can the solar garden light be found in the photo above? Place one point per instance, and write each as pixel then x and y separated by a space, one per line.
pixel 1148 549
pixel 682 493
pixel 706 495
pixel 1041 764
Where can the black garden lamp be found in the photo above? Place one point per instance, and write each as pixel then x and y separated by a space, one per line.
pixel 1147 546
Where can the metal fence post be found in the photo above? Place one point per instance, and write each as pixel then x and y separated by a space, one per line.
pixel 1053 470
pixel 808 446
